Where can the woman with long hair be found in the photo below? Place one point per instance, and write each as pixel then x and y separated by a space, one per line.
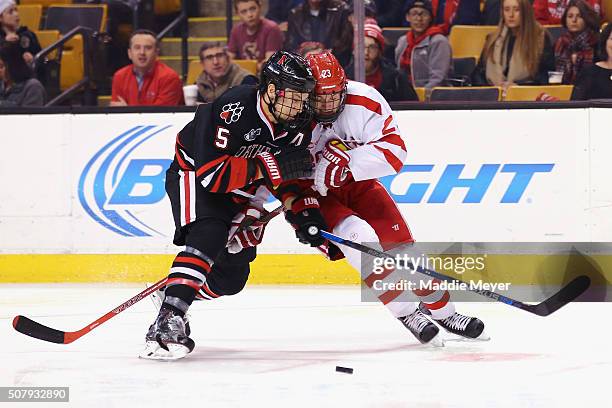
pixel 595 81
pixel 575 48
pixel 17 85
pixel 519 52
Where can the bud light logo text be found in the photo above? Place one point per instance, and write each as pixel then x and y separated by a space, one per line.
pixel 117 181
pixel 407 186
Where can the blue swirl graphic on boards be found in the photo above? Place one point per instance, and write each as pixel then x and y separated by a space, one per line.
pixel 108 180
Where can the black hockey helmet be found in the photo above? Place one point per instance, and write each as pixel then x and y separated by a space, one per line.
pixel 287 70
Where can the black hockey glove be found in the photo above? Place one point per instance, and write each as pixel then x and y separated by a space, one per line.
pixel 285 165
pixel 306 218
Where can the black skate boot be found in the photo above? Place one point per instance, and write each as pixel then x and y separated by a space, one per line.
pixel 422 328
pixel 465 326
pixel 167 338
pixel 158 297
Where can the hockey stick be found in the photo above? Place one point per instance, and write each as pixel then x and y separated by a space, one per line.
pixel 567 294
pixel 34 329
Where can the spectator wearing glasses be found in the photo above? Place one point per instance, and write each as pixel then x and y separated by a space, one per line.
pixel 254 37
pixel 146 81
pixel 219 73
pixel 424 53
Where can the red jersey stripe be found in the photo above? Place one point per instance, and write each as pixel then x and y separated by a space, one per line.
pixel 188 193
pixel 391 159
pixel 194 261
pixel 365 102
pixel 393 139
pixel 210 165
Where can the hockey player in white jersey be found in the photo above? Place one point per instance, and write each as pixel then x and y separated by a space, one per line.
pixel 356 140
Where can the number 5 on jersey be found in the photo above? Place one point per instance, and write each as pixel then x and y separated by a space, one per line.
pixel 221 137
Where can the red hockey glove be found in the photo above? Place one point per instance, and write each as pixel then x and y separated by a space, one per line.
pixel 246 231
pixel 332 170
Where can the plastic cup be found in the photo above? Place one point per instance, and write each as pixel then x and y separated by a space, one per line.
pixel 191 94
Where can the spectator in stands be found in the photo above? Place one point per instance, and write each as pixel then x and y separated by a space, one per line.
pixel 595 81
pixel 219 72
pixel 424 53
pixel 12 31
pixel 380 73
pixel 18 87
pixel 310 47
pixel 324 21
pixel 254 37
pixel 551 11
pixel 520 51
pixel 146 81
pixel 278 11
pixel 575 48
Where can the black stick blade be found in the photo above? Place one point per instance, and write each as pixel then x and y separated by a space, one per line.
pixel 33 329
pixel 570 292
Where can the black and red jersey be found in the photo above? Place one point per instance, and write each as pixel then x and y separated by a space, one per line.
pixel 220 142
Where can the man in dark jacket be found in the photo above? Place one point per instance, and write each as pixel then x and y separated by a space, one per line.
pixel 380 73
pixel 325 21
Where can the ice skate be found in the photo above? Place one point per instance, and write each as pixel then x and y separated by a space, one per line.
pixel 158 297
pixel 465 326
pixel 422 328
pixel 167 338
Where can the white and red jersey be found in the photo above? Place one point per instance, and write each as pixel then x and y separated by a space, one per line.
pixel 367 127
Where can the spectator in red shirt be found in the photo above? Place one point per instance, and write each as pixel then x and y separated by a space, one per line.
pixel 146 81
pixel 254 37
pixel 551 11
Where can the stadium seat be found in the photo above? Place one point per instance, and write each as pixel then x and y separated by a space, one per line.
pixel 249 65
pixel 104 100
pixel 531 93
pixel 46 38
pixel 462 71
pixel 420 91
pixel 165 7
pixel 64 18
pixel 555 32
pixel 468 41
pixel 606 7
pixel 476 93
pixel 194 71
pixel 30 15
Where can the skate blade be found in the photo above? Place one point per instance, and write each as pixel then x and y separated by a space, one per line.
pixel 153 351
pixel 455 337
pixel 437 341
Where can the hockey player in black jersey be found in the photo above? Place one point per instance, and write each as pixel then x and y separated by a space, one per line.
pixel 246 140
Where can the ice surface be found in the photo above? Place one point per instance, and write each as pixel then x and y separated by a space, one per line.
pixel 279 346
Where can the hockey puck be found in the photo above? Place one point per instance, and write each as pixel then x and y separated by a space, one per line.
pixel 346 370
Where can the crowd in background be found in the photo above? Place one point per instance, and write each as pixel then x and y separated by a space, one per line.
pixel 519 51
